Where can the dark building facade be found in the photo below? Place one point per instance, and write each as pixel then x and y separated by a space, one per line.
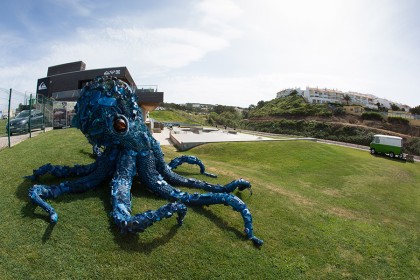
pixel 64 82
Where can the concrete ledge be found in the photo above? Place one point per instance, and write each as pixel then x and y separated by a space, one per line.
pixel 185 141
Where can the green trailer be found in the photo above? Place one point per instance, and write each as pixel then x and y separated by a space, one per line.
pixel 385 144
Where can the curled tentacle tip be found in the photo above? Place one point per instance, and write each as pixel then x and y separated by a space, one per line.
pixel 180 221
pixel 257 242
pixel 53 218
pixel 210 175
pixel 245 185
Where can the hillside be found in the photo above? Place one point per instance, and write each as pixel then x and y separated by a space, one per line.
pixel 291 105
pixel 293 115
pixel 177 116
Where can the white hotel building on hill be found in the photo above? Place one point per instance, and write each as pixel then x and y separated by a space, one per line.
pixel 324 95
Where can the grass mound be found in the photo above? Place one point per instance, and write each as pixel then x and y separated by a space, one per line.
pixel 323 212
pixel 177 116
pixel 291 105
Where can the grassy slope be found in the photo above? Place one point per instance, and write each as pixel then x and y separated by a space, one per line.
pixel 323 211
pixel 3 127
pixel 291 105
pixel 177 116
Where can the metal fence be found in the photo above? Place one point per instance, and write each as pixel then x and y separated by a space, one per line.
pixel 22 115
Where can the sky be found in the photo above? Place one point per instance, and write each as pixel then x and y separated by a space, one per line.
pixel 229 52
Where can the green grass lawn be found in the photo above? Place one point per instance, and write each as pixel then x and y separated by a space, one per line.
pixel 3 123
pixel 177 116
pixel 324 212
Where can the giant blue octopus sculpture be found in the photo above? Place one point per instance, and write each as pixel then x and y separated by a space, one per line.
pixel 108 115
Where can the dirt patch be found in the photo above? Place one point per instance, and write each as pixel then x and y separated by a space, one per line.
pixel 350 255
pixel 332 192
pixel 295 197
pixel 302 200
pixel 343 213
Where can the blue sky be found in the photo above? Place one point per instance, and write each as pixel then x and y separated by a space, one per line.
pixel 231 52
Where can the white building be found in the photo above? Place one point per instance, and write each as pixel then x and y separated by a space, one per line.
pixel 324 95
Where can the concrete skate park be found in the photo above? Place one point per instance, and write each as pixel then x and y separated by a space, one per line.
pixel 184 138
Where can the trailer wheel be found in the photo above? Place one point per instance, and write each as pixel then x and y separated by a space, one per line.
pixel 372 151
pixel 391 155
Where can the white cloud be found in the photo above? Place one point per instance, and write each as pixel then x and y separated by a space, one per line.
pixel 78 7
pixel 149 50
pixel 240 52
pixel 9 43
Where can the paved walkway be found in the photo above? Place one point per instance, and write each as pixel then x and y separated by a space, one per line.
pixel 17 138
pixel 163 137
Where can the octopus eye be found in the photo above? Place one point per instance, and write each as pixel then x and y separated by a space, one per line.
pixel 120 125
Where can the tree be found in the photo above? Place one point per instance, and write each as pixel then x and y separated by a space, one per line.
pixel 218 109
pixel 415 110
pixel 394 107
pixel 347 98
pixel 260 104
pixel 294 93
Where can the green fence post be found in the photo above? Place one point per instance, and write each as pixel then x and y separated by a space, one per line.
pixel 8 117
pixel 43 112
pixel 30 115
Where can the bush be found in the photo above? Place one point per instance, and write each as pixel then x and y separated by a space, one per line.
pixel 398 120
pixel 372 116
pixel 339 111
pixel 230 119
pixel 412 146
pixel 322 130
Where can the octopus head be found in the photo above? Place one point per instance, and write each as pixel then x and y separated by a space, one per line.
pixel 108 114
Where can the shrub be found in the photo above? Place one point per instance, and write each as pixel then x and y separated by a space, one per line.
pixel 412 146
pixel 339 111
pixel 372 116
pixel 398 120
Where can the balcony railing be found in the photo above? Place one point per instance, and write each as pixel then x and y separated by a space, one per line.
pixel 147 88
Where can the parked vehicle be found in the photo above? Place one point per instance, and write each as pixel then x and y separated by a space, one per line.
pixel 385 144
pixel 20 123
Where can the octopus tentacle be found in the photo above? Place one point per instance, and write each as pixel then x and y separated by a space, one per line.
pixel 221 198
pixel 61 171
pixel 121 199
pixel 38 193
pixel 178 180
pixel 190 160
pixel 155 182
